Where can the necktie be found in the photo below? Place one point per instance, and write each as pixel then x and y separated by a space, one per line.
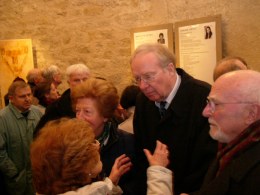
pixel 162 108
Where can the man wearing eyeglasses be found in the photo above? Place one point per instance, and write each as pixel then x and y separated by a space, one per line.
pixel 233 111
pixel 169 109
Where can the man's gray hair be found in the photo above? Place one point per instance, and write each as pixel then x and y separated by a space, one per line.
pixel 77 68
pixel 50 71
pixel 164 55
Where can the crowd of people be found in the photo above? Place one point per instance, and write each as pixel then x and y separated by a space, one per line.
pixel 168 133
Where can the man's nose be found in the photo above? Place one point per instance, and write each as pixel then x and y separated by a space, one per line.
pixel 142 84
pixel 28 97
pixel 207 111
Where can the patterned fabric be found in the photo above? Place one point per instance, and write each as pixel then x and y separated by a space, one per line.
pixel 162 108
pixel 247 138
pixel 103 138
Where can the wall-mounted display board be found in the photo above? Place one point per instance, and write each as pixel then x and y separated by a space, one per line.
pixel 198 46
pixel 152 34
pixel 16 59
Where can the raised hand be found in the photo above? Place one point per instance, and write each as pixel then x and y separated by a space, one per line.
pixel 121 166
pixel 160 155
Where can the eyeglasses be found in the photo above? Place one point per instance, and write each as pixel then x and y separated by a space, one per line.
pixel 147 77
pixel 212 105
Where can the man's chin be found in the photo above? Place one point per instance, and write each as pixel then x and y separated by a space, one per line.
pixel 212 132
pixel 217 135
pixel 26 108
pixel 153 97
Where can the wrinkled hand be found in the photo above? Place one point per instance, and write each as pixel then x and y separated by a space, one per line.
pixel 121 166
pixel 160 155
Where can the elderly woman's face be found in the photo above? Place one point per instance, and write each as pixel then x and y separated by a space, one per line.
pixel 86 109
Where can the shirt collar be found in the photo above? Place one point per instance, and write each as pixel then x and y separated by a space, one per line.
pixel 172 94
pixel 16 111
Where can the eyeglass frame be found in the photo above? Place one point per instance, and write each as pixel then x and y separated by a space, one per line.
pixel 212 105
pixel 147 77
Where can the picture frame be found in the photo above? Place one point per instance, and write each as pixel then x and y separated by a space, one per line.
pixel 198 46
pixel 16 59
pixel 153 34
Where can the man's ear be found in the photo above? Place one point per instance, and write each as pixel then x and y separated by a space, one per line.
pixel 171 68
pixel 10 97
pixel 253 113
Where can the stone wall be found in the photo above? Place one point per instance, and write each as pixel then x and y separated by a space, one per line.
pixel 97 32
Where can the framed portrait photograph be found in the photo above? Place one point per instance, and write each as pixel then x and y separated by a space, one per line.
pixel 162 34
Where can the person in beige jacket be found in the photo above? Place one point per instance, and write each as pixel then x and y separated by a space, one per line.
pixel 159 178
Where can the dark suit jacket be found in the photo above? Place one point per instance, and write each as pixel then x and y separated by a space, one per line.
pixel 119 142
pixel 183 129
pixel 240 177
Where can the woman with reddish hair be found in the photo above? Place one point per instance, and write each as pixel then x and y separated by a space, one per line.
pixel 65 160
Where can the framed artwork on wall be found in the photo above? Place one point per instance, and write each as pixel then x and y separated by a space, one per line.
pixel 199 46
pixel 152 34
pixel 16 59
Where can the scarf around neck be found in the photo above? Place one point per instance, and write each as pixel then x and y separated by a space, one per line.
pixel 103 138
pixel 247 138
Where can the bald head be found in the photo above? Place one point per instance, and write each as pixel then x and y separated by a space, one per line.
pixel 229 64
pixel 241 85
pixel 233 104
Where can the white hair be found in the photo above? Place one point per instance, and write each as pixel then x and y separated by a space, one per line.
pixel 77 68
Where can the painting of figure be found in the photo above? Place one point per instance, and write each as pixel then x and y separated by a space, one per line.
pixel 16 59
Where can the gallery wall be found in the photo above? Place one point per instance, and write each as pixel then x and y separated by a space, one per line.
pixel 97 32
